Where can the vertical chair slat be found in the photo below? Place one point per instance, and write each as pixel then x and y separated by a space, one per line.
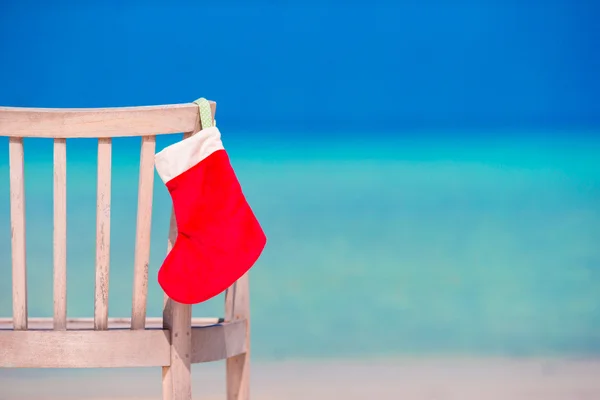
pixel 60 234
pixel 102 234
pixel 142 241
pixel 17 218
pixel 177 318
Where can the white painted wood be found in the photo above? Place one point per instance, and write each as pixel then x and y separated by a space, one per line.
pixel 144 224
pixel 167 376
pixel 237 308
pixel 17 226
pixel 177 378
pixel 98 122
pixel 181 351
pixel 60 234
pixel 218 342
pixel 103 234
pixel 113 323
pixel 84 349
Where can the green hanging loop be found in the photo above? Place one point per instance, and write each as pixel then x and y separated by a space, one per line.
pixel 206 119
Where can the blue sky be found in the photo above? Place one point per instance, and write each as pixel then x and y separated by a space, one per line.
pixel 328 66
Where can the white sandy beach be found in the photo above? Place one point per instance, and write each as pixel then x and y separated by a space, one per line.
pixel 407 379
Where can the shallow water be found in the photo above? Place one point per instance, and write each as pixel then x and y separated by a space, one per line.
pixel 418 245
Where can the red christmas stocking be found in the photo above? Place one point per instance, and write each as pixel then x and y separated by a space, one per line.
pixel 219 238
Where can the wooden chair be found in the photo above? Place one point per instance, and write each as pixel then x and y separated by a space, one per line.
pixel 172 342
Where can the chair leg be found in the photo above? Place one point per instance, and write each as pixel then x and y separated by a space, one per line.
pixel 177 378
pixel 238 377
pixel 237 306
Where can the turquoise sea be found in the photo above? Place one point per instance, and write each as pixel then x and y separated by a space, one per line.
pixel 378 245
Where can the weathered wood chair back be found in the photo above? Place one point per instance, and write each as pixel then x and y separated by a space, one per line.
pixel 172 342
